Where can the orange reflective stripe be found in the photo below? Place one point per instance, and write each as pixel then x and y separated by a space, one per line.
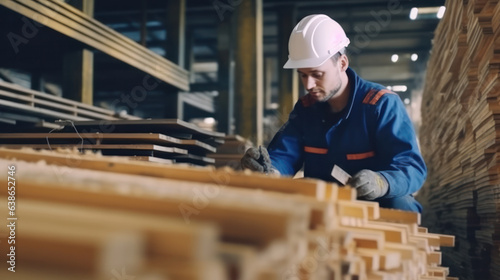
pixel 314 150
pixel 378 95
pixel 360 156
pixel 369 96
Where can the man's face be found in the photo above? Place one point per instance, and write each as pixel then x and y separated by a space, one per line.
pixel 322 82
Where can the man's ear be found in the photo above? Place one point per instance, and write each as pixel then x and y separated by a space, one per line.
pixel 344 62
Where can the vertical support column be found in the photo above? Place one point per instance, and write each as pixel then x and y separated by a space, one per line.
pixel 174 46
pixel 144 22
pixel 189 54
pixel 225 100
pixel 249 70
pixel 288 90
pixel 78 66
pixel 176 31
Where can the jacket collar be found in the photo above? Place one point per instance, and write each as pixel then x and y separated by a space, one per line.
pixel 353 81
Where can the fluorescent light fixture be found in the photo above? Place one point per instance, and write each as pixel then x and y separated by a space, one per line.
pixel 413 13
pixel 389 87
pixel 209 120
pixel 440 12
pixel 414 57
pixel 394 58
pixel 399 88
pixel 407 101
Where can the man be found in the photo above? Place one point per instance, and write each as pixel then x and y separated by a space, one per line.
pixel 343 122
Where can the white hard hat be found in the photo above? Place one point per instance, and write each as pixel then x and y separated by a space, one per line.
pixel 313 41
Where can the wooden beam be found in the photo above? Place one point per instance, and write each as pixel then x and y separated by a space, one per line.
pixel 33 98
pixel 78 76
pixel 225 77
pixel 288 91
pixel 78 65
pixel 71 22
pixel 249 68
pixel 175 22
pixel 144 22
pixel 247 220
pixel 312 188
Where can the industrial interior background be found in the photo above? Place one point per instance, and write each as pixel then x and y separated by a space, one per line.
pixel 218 42
pixel 221 68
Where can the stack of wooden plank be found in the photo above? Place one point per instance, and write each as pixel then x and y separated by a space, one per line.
pixel 158 140
pixel 26 109
pixel 459 136
pixel 75 24
pixel 231 152
pixel 88 217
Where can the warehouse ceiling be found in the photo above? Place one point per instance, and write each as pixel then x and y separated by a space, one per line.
pixel 378 31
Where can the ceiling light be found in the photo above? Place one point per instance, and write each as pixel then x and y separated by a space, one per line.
pixel 414 57
pixel 400 88
pixel 389 87
pixel 441 11
pixel 407 101
pixel 413 13
pixel 394 58
pixel 209 120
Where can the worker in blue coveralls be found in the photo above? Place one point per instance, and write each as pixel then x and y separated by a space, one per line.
pixel 343 122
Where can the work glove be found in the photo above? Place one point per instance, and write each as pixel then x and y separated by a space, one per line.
pixel 369 184
pixel 258 160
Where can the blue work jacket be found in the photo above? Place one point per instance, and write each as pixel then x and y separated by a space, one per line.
pixel 373 133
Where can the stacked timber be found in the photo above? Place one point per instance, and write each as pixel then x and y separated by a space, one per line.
pixel 460 137
pixel 26 109
pixel 230 153
pixel 89 217
pixel 73 23
pixel 159 140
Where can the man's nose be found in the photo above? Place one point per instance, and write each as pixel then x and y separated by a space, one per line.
pixel 310 83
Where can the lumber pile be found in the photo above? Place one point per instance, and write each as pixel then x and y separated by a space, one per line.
pixel 93 217
pixel 459 137
pixel 159 140
pixel 230 153
pixel 73 23
pixel 24 109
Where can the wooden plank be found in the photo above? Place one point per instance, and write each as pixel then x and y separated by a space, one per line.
pixel 312 188
pixel 63 22
pixel 152 159
pixel 434 258
pixel 387 259
pixel 284 229
pixel 422 230
pixel 128 239
pixel 194 159
pixel 125 147
pixel 39 111
pixel 163 126
pixel 13 88
pixel 373 209
pixel 167 237
pixel 271 219
pixel 408 252
pixel 346 193
pixel 459 136
pixel 393 215
pixel 109 138
pixel 74 248
pixel 446 240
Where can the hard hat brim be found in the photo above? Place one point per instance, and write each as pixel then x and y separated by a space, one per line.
pixel 306 63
